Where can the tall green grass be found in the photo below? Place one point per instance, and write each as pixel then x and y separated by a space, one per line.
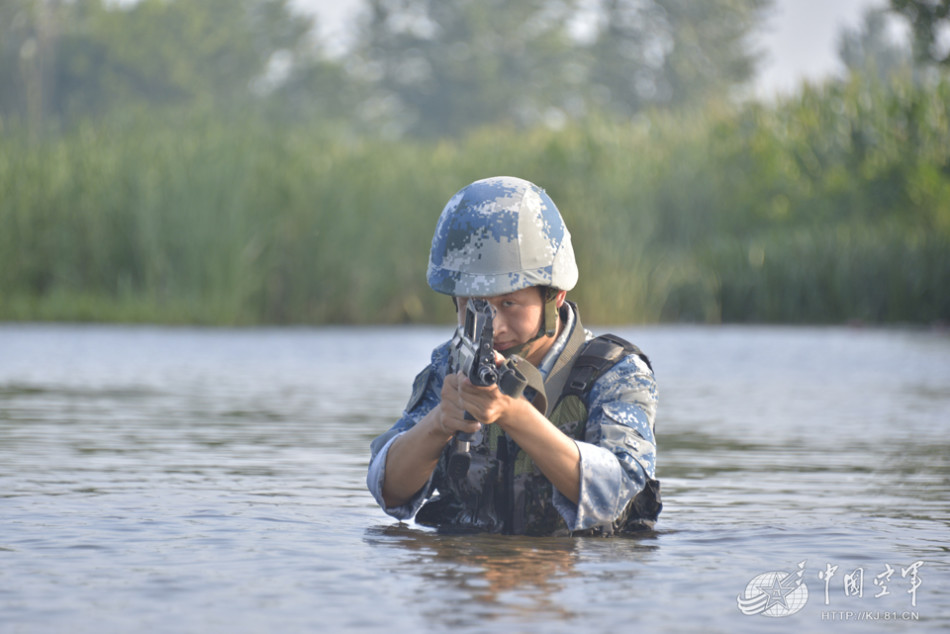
pixel 833 205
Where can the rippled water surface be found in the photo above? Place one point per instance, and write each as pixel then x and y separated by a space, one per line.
pixel 212 480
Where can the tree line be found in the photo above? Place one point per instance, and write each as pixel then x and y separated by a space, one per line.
pixel 422 68
pixel 185 161
pixel 414 67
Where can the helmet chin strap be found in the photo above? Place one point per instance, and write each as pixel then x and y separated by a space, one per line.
pixel 548 326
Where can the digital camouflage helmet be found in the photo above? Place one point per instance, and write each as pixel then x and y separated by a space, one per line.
pixel 497 236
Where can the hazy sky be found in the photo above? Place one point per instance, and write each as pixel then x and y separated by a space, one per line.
pixel 799 42
pixel 802 40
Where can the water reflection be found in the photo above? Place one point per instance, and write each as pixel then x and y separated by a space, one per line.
pixel 485 567
pixel 506 578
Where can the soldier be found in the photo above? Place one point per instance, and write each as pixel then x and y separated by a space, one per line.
pixel 580 463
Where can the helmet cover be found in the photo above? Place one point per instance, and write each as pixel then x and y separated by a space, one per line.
pixel 497 236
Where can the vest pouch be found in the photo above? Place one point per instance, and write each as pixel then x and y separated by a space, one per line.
pixel 468 500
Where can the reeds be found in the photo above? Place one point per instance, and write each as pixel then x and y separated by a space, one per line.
pixel 831 206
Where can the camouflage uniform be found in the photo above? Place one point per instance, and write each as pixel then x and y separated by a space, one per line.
pixel 494 237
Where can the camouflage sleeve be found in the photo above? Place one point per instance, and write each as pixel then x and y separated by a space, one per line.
pixel 426 393
pixel 618 454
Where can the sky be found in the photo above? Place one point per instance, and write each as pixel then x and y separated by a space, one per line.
pixel 800 41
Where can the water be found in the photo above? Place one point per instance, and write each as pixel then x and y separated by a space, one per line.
pixel 212 480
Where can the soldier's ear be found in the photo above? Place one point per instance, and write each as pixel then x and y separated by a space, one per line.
pixel 549 293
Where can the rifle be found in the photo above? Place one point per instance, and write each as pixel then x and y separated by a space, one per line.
pixel 473 354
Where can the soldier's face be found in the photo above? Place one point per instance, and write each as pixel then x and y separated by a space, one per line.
pixel 518 318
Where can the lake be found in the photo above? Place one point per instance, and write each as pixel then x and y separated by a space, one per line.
pixel 213 480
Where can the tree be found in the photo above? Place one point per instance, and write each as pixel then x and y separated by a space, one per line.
pixel 927 18
pixel 867 50
pixel 90 58
pixel 672 52
pixel 173 52
pixel 445 66
pixel 440 67
pixel 27 38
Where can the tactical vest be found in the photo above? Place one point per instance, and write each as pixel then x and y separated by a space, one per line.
pixel 504 491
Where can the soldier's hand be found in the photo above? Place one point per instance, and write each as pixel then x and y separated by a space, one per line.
pixel 486 403
pixel 452 415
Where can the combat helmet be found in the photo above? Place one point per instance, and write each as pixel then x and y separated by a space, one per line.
pixel 497 236
pixel 500 235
